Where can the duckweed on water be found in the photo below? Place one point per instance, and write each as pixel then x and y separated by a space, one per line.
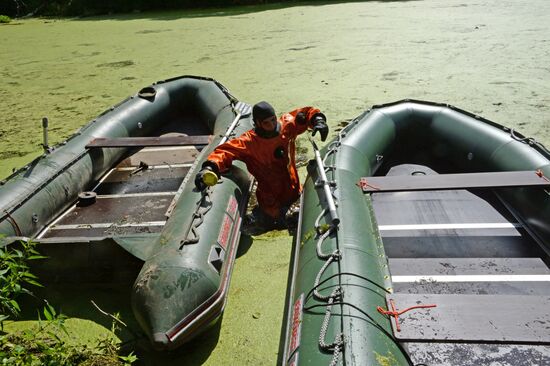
pixel 51 68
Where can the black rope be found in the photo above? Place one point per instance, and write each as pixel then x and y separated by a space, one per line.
pixel 310 292
pixel 373 322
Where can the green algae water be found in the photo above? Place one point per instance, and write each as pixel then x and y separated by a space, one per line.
pixel 488 57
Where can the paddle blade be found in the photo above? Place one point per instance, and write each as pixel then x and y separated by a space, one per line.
pixel 244 109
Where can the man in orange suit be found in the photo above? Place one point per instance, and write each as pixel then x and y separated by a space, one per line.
pixel 268 150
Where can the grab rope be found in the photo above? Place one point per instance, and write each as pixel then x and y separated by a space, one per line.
pixel 203 206
pixel 528 140
pixel 323 232
pixel 338 343
pixel 13 223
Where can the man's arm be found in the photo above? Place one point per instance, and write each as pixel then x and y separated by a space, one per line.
pixel 222 157
pixel 310 117
pixel 220 160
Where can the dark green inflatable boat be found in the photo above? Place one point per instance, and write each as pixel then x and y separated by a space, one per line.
pixel 125 180
pixel 424 239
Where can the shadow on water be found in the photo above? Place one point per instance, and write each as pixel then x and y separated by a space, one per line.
pixel 75 301
pixel 228 11
pixel 244 244
pixel 288 295
pixel 79 292
pixel 194 353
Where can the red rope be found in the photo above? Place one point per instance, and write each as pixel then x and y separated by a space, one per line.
pixel 363 183
pixel 540 174
pixel 395 313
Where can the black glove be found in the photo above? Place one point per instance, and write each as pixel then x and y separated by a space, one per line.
pixel 205 178
pixel 320 124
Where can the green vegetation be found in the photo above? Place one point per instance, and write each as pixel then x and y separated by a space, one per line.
pixel 47 343
pixel 87 8
pixel 4 19
pixel 15 276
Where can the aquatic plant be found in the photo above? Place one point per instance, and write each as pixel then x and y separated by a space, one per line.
pixel 44 343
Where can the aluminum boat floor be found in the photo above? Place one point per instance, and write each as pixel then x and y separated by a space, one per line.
pixel 466 254
pixel 132 198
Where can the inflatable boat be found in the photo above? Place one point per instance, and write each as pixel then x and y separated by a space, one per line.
pixel 119 195
pixel 423 239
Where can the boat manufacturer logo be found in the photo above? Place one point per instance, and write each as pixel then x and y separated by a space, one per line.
pixel 232 206
pixel 225 232
pixel 297 311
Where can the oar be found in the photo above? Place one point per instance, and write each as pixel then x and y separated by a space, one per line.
pixel 243 110
pixel 324 181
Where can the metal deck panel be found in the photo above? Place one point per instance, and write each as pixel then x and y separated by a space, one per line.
pixel 146 180
pixel 111 231
pixel 474 288
pixel 467 266
pixel 461 246
pixel 440 207
pixel 163 156
pixel 119 210
pixel 474 318
pixel 468 354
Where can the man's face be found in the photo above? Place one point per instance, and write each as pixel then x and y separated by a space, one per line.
pixel 268 124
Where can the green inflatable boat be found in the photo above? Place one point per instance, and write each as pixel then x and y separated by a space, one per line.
pixel 424 239
pixel 118 198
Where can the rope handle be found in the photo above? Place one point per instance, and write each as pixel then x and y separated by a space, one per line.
pixel 363 184
pixel 540 174
pixel 395 313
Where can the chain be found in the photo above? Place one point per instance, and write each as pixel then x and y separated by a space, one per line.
pixel 203 206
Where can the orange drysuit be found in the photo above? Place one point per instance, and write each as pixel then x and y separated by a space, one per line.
pixel 270 160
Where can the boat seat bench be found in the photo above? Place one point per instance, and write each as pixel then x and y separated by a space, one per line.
pixel 101 142
pixel 433 182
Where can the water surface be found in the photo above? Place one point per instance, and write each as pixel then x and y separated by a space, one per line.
pixel 490 57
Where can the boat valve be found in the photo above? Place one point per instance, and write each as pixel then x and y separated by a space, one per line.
pixel 45 133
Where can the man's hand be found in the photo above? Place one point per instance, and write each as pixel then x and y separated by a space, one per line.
pixel 320 124
pixel 205 178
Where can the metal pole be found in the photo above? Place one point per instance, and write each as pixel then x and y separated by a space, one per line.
pixel 45 134
pixel 326 186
